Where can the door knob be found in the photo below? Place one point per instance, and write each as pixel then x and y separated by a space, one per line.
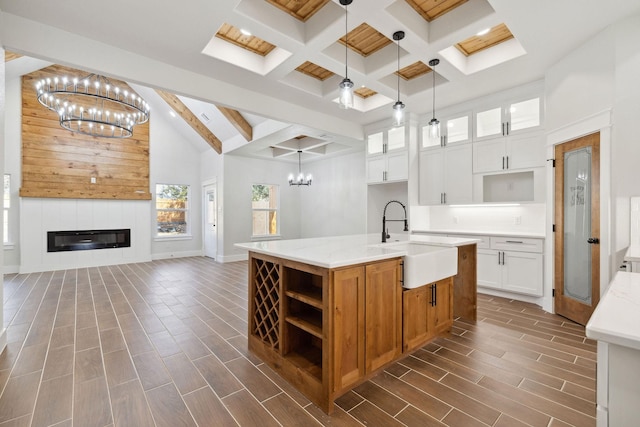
pixel 593 240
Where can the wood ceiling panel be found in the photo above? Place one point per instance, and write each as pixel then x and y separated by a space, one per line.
pixel 498 34
pixel 253 44
pixel 364 92
pixel 433 9
pixel 315 71
pixel 414 70
pixel 10 56
pixel 365 40
pixel 299 9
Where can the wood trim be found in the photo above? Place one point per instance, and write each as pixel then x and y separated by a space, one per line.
pixel 239 122
pixel 186 114
pixel 10 56
pixel 57 163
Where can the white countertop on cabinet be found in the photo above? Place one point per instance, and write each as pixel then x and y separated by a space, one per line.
pixel 500 233
pixel 617 316
pixel 340 251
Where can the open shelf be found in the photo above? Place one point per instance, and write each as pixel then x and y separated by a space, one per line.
pixel 308 323
pixel 308 359
pixel 311 296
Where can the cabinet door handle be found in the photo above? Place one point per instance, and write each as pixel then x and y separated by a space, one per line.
pixel 384 175
pixel 507 128
pixel 507 156
pixel 444 138
pixel 503 133
pixel 498 258
pixel 503 162
pixel 445 198
pixel 433 295
pixel 402 277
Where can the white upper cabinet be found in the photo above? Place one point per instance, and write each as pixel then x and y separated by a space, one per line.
pixel 453 129
pixel 388 156
pixel 505 119
pixel 511 153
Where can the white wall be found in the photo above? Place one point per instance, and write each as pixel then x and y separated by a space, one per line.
pixel 335 204
pixel 239 174
pixel 175 161
pixel 600 75
pixel 3 330
pixel 172 160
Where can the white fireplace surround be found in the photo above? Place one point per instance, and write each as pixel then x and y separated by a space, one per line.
pixel 37 216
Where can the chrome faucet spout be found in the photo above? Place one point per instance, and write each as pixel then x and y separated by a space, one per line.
pixel 385 234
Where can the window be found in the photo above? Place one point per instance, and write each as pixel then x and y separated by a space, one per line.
pixel 7 206
pixel 264 205
pixel 172 210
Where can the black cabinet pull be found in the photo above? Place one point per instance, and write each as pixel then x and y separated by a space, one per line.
pixel 433 295
pixel 593 240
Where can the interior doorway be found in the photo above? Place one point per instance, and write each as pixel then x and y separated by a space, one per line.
pixel 577 228
pixel 210 221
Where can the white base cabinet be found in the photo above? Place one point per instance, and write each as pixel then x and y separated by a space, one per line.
pixel 512 265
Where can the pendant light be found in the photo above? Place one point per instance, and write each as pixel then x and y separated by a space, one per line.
pixel 301 179
pixel 434 124
pixel 346 85
pixel 398 107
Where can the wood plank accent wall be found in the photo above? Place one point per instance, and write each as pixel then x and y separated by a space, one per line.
pixel 57 163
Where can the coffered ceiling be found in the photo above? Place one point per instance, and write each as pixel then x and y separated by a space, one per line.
pixel 287 65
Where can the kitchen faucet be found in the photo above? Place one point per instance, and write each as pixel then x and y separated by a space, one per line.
pixel 385 234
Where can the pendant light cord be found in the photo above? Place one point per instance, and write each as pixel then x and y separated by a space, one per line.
pixel 346 40
pixel 398 70
pixel 434 92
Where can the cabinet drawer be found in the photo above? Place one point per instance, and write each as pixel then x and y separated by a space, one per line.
pixel 484 242
pixel 519 244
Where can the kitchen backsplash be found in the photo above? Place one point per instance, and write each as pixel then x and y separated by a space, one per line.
pixel 528 218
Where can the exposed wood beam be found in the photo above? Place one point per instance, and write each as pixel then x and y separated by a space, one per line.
pixel 191 120
pixel 239 122
pixel 10 56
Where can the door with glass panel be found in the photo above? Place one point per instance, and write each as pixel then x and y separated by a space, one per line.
pixel 577 222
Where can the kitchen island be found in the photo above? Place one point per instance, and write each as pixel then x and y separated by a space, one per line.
pixel 329 313
pixel 614 324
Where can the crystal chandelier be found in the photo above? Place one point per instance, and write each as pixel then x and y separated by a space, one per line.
pixel 93 106
pixel 301 179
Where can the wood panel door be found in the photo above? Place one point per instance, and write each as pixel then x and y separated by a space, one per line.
pixel 577 222
pixel 383 314
pixel 348 327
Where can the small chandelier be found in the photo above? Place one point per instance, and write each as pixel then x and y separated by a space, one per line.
pixel 346 85
pixel 301 179
pixel 434 124
pixel 93 106
pixel 398 107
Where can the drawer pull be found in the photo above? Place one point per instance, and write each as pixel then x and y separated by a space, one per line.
pixel 514 241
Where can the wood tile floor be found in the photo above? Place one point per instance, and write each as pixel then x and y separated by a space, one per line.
pixel 164 344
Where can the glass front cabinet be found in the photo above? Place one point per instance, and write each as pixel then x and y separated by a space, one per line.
pixel 388 155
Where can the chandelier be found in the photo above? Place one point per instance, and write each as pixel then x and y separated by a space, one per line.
pixel 301 179
pixel 93 106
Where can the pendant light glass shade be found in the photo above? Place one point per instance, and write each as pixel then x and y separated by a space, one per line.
pixel 346 94
pixel 398 107
pixel 434 124
pixel 346 86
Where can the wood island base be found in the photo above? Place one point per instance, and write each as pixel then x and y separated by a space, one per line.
pixel 327 330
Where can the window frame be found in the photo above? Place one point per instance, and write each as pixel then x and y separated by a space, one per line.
pixel 276 209
pixel 187 214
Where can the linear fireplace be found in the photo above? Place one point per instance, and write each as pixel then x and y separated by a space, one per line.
pixel 82 240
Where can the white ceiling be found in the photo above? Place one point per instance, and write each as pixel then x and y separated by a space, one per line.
pixel 175 33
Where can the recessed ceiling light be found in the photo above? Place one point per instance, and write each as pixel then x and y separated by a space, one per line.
pixel 483 32
pixel 172 113
pixel 245 32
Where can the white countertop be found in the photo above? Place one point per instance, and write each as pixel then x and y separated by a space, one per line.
pixel 617 316
pixel 497 233
pixel 340 251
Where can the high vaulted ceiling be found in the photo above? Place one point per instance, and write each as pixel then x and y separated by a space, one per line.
pixel 296 80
